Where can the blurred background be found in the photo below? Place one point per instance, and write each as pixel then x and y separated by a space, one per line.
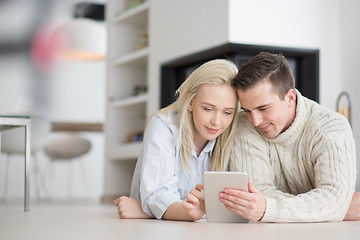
pixel 35 80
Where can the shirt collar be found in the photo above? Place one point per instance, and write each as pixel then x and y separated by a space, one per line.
pixel 207 149
pixel 209 146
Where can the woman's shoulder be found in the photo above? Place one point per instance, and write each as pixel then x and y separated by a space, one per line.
pixel 163 122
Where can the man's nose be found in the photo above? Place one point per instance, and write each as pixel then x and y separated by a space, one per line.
pixel 256 118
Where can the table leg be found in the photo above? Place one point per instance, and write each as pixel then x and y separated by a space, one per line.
pixel 27 167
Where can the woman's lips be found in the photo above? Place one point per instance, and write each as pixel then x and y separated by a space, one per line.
pixel 212 130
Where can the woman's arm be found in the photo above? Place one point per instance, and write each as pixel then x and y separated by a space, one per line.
pixel 178 212
pixel 129 208
pixel 192 209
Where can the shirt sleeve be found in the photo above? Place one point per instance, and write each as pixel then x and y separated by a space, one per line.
pixel 158 181
pixel 334 170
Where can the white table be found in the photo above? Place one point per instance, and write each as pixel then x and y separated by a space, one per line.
pixel 7 122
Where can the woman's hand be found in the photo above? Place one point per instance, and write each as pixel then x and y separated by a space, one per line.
pixel 195 202
pixel 129 208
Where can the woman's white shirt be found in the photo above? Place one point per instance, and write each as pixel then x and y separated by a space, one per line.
pixel 159 178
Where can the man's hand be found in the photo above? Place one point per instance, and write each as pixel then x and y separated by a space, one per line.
pixel 250 205
pixel 129 208
pixel 195 204
pixel 353 213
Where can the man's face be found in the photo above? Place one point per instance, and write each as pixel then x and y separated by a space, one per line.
pixel 265 110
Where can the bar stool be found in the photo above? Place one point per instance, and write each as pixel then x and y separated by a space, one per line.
pixel 68 148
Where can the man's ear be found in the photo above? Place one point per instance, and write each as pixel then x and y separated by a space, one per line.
pixel 291 95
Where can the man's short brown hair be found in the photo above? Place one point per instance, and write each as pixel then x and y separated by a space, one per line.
pixel 274 67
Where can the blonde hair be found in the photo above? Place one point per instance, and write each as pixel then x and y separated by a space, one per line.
pixel 218 72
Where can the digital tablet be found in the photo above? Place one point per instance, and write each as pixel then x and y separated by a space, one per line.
pixel 216 182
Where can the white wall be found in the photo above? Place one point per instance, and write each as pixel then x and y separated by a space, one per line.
pixel 14 82
pixel 349 63
pixel 297 23
pixel 77 91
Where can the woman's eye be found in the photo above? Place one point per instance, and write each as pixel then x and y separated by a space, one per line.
pixel 228 113
pixel 207 109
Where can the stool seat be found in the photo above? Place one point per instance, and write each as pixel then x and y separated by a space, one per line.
pixel 67 148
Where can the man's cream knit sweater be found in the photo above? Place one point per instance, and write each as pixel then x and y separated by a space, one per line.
pixel 307 173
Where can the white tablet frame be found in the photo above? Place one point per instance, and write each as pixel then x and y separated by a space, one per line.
pixel 216 182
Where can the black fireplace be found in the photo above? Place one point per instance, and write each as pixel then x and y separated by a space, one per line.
pixel 303 62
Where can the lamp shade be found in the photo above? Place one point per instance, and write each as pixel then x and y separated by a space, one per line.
pixel 82 39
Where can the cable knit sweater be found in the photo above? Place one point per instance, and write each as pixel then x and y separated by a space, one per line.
pixel 308 172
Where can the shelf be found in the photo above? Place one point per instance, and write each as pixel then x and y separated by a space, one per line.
pixel 137 58
pixel 137 15
pixel 127 92
pixel 125 151
pixel 129 101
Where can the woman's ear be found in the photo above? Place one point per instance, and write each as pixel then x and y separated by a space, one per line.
pixel 190 106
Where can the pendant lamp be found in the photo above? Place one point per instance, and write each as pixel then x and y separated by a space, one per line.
pixel 84 37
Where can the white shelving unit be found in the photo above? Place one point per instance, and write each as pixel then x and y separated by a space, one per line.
pixel 127 70
pixel 126 106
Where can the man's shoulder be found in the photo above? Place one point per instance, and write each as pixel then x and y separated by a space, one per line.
pixel 325 120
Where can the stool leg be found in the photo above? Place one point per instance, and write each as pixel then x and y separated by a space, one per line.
pixel 84 175
pixel 40 177
pixel 69 180
pixel 6 180
pixel 51 176
pixel 36 175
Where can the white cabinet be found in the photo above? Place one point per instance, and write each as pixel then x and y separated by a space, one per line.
pixel 126 90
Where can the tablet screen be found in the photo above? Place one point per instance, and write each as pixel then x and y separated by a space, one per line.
pixel 216 182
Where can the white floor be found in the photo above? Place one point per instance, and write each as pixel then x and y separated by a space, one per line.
pixel 58 220
pixel 85 220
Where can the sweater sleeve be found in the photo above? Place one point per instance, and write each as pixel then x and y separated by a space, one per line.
pixel 333 160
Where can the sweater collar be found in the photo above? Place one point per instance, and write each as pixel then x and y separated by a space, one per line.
pixel 296 128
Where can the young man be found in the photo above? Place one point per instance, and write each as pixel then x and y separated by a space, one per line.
pixel 298 154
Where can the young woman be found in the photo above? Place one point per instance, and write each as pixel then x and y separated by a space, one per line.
pixel 181 141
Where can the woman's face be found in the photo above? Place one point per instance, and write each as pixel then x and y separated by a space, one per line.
pixel 213 110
